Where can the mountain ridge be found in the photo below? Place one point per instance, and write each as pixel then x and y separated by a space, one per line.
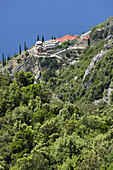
pixel 56 120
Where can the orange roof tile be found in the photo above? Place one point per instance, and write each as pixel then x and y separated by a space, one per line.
pixel 58 39
pixel 66 38
pixel 86 37
pixel 75 36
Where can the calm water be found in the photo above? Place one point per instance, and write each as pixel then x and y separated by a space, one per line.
pixel 22 20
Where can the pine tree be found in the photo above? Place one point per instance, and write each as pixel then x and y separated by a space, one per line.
pixel 42 38
pixel 3 59
pixel 19 49
pixel 38 37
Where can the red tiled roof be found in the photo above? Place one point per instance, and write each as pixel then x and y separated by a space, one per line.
pixel 66 38
pixel 86 37
pixel 75 36
pixel 58 39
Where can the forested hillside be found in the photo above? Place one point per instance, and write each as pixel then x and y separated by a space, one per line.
pixel 63 121
pixel 89 79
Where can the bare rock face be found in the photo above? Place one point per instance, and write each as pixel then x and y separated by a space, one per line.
pixel 36 71
pixel 98 57
pixel 108 94
pixel 38 75
pixel 93 62
pixel 105 99
pixel 109 45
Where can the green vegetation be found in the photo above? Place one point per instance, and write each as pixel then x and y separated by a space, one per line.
pixel 26 53
pixel 102 30
pixel 3 60
pixel 41 132
pixel 38 37
pixel 19 49
pixel 51 63
pixel 64 45
pixel 25 47
pixel 42 38
pixel 69 89
pixel 55 124
pixel 8 57
pixel 18 60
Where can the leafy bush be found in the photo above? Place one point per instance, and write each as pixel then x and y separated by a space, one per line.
pixel 26 53
pixel 18 60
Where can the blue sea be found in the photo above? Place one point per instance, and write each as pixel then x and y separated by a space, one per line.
pixel 22 20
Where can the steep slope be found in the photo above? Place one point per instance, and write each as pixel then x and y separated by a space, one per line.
pixel 54 123
pixel 90 78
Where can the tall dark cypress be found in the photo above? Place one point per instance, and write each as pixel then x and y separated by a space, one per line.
pixel 38 37
pixel 19 49
pixel 25 47
pixel 3 59
pixel 8 57
pixel 42 38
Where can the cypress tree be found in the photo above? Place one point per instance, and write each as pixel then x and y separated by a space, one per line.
pixel 19 49
pixel 38 37
pixel 3 59
pixel 8 58
pixel 25 47
pixel 42 38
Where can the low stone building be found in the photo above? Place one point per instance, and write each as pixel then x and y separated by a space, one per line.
pixel 46 46
pixel 50 44
pixel 84 41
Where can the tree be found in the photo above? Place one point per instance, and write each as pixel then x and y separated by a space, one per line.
pixel 25 47
pixel 47 74
pixel 42 38
pixel 111 30
pixel 24 79
pixel 22 142
pixel 18 60
pixel 52 37
pixel 66 146
pixel 38 37
pixel 105 33
pixel 3 59
pixel 26 53
pixel 19 49
pixel 35 161
pixel 67 54
pixel 23 114
pixel 8 58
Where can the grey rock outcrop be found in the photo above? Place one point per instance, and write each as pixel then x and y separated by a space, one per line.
pixel 109 45
pixel 93 62
pixel 98 57
pixel 105 99
pixel 36 71
pixel 108 94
